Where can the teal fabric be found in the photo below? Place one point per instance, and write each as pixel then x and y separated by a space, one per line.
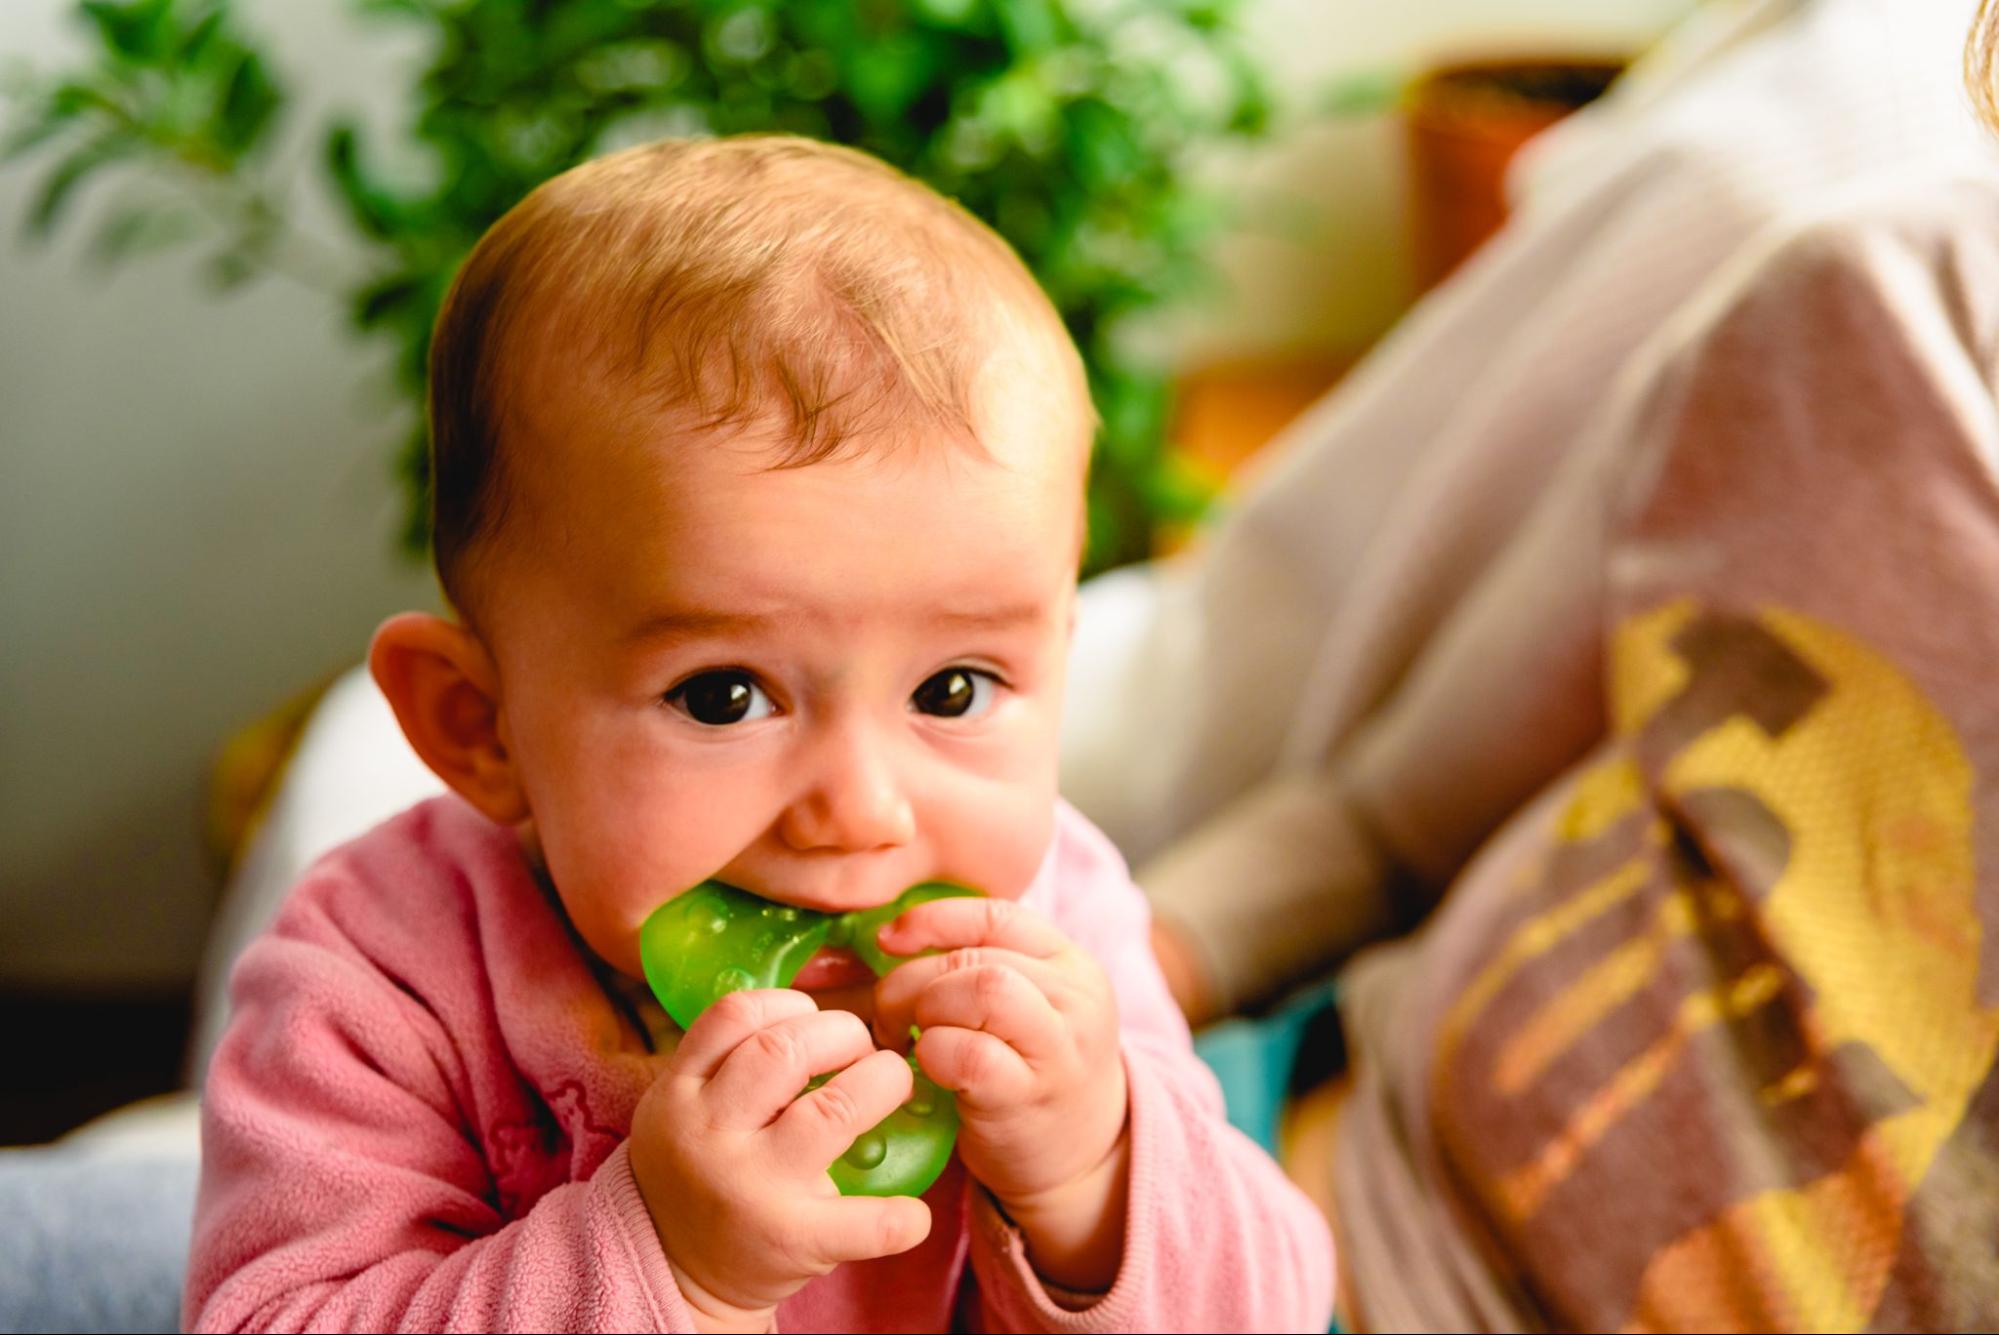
pixel 1253 1058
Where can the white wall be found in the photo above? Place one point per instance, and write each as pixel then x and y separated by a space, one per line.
pixel 195 514
pixel 195 506
pixel 1318 258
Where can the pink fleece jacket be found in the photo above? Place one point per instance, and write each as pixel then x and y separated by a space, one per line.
pixel 417 1120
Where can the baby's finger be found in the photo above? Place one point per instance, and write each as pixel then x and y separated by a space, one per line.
pixel 896 994
pixel 820 1126
pixel 980 1069
pixel 763 1075
pixel 945 924
pixel 995 1000
pixel 861 1228
pixel 720 1029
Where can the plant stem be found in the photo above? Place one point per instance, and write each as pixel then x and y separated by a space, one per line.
pixel 243 207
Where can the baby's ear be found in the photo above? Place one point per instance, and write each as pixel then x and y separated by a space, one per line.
pixel 444 687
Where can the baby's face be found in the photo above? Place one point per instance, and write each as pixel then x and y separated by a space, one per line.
pixel 821 684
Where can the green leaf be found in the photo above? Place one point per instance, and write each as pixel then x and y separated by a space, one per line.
pixel 651 68
pixel 1028 26
pixel 62 108
pixel 1206 17
pixel 74 97
pixel 249 102
pixel 140 31
pixel 30 135
pixel 194 44
pixel 965 15
pixel 59 187
pixel 419 9
pixel 373 210
pixel 741 35
pixel 1103 146
pixel 383 299
pixel 885 79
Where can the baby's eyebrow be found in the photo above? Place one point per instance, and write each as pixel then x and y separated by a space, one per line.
pixel 693 622
pixel 1001 617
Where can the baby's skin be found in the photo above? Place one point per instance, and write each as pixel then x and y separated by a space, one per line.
pixel 823 685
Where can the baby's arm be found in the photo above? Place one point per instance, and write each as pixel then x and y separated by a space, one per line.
pixel 341 1187
pixel 1215 1237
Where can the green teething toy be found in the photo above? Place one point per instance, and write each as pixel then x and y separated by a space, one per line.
pixel 716 939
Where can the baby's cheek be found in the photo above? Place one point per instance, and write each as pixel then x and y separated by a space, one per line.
pixel 611 869
pixel 601 918
pixel 1002 844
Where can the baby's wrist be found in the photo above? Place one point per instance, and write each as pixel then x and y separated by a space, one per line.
pixel 715 1315
pixel 1075 1232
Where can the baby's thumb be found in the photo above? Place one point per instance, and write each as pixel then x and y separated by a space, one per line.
pixel 861 1228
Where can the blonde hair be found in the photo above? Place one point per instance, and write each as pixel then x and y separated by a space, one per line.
pixel 1981 63
pixel 753 279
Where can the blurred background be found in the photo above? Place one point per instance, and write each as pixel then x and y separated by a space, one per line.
pixel 212 299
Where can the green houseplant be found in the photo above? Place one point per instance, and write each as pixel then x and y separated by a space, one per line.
pixel 1068 126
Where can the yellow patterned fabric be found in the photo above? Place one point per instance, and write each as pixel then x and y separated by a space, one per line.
pixel 1769 880
pixel 1705 1039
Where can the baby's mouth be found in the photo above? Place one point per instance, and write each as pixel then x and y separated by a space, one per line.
pixel 831 967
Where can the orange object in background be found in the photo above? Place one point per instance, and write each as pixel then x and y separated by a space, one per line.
pixel 1463 124
pixel 1226 411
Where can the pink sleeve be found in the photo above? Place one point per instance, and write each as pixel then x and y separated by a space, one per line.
pixel 1216 1238
pixel 340 1188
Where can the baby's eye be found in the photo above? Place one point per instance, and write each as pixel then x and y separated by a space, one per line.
pixel 955 693
pixel 718 699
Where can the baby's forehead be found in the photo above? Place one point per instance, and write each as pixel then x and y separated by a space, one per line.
pixel 668 517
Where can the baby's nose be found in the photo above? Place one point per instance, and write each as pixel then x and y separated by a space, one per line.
pixel 851 800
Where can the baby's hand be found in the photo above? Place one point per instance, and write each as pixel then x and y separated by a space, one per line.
pixel 731 1160
pixel 1022 1024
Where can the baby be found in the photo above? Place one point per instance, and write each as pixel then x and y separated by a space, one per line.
pixel 759 494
